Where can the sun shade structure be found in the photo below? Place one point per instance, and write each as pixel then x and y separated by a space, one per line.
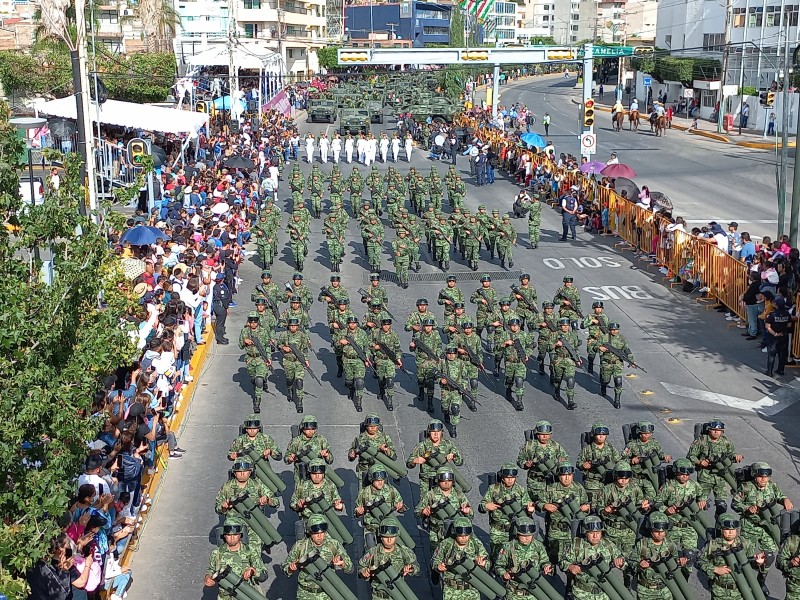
pixel 250 57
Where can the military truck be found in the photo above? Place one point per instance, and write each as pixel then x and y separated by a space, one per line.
pixel 321 110
pixel 375 108
pixel 440 110
pixel 354 120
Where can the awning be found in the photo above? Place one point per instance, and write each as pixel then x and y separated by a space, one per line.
pixel 128 114
pixel 244 57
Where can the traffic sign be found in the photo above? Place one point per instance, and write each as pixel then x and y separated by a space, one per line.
pixel 588 143
pixel 647 81
pixel 688 93
pixel 611 51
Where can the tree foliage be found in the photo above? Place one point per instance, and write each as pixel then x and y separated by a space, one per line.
pixel 137 78
pixel 683 70
pixel 328 57
pixel 57 341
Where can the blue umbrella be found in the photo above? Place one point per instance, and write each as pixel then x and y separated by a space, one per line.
pixel 533 139
pixel 142 235
pixel 224 103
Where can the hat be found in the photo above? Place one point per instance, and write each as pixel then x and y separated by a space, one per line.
pixel 242 465
pixel 658 521
pixel 252 316
pixel 389 527
pixel 316 465
pixel 684 465
pixel 140 289
pixel 728 521
pixel 422 301
pixel 733 224
pixel 508 470
pixel 592 523
pixel 232 526
pixel 219 276
pixel 462 526
pixel 266 274
pixel 543 427
pixel 317 524
pixel 445 473
pixel 377 472
pixel 136 409
pixel 524 526
pixel 435 425
pixel 308 422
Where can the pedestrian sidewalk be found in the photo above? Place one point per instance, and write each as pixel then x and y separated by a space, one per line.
pixel 749 138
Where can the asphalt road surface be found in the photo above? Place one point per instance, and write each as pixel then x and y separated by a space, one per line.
pixel 709 369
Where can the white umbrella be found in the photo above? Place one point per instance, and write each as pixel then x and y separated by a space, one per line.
pixel 132 267
pixel 220 208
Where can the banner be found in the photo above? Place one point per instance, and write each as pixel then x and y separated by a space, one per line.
pixel 280 102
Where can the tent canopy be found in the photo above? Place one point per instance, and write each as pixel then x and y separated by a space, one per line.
pixel 129 114
pixel 244 57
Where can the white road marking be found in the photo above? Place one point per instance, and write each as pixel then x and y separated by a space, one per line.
pixel 726 220
pixel 784 397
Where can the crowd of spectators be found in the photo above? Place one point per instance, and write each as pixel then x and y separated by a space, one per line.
pixel 204 216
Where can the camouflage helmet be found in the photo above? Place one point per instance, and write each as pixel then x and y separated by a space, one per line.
pixel 592 523
pixel 462 526
pixel 232 526
pixel 242 465
pixel 308 422
pixel 524 526
pixel 658 521
pixel 316 465
pixel 445 473
pixel 316 524
pixel 377 471
pixel 389 527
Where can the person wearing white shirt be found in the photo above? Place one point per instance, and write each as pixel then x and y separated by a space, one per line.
pixel 384 147
pixel 371 149
pixel 409 146
pixel 395 147
pixel 324 145
pixel 55 179
pixel 613 160
pixel 274 175
pixel 310 148
pixel 336 147
pixel 348 148
pixel 360 149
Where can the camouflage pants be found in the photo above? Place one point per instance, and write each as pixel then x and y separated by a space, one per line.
pixel 451 404
pixel 335 252
pixel 436 202
pixel 611 370
pixel 792 589
pixel 685 537
pixel 505 251
pixel 441 250
pixel 391 209
pixel 456 200
pixel 534 232
pixel 374 256
pixel 265 252
pixel 564 369
pixel 556 544
pixel 415 253
pixel 623 537
pixel 497 537
pixel 593 487
pixel 515 374
pixel 354 372
pixel 536 488
pixel 472 250
pixel 579 594
pixel 316 203
pixel 401 267
pixel 451 593
pixel 306 595
pixel 721 593
pixel 298 252
pixel 646 593
pixel 713 484
pixel 258 371
pixel 294 372
pixel 387 371
pixel 758 536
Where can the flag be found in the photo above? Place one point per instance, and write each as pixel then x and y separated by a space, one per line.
pixel 483 8
pixel 489 27
pixel 468 6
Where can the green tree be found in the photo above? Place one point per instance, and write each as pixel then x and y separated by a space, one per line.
pixel 57 342
pixel 328 57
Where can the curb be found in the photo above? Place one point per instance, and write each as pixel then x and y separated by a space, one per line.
pixel 763 145
pixel 710 135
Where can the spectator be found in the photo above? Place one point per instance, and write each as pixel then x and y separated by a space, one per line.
pixel 748 250
pixel 752 306
pixel 55 577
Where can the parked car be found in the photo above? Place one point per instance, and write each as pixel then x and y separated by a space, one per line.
pixel 25 189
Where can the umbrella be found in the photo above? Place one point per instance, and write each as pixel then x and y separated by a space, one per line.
pixel 238 162
pixel 220 208
pixel 618 170
pixel 622 183
pixel 224 103
pixel 533 139
pixel 132 267
pixel 660 200
pixel 142 235
pixel 159 155
pixel 592 167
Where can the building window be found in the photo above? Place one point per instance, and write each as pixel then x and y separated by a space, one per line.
pixel 713 42
pixel 773 16
pixel 738 17
pixel 790 15
pixel 431 30
pixel 546 18
pixel 250 30
pixel 668 40
pixel 755 18
pixel 252 4
pixel 708 98
pixel 574 27
pixel 573 38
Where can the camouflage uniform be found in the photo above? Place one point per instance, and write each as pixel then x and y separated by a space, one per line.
pixel 426 365
pixel 581 551
pixel 506 240
pixel 452 294
pixel 307 489
pixel 402 249
pixel 377 440
pixel 300 443
pixel 650 585
pixel 593 481
pixel 385 367
pixel 499 524
pixel 674 493
pixel 237 560
pixel 515 555
pixel 534 221
pixel 377 556
pixel 451 397
pixel 564 365
pixel 532 453
pixel 486 314
pixel 455 588
pixel 307 586
pixel 788 551
pixel 294 369
pixel 231 490
pixel 723 587
pixel 525 296
pixel 548 336
pixel 354 367
pixel 425 447
pixel 433 497
pixel 613 494
pixel 258 366
pixel 571 294
pixel 370 494
pixel 703 448
pixel 610 365
pixel 516 370
pixel 559 528
pixel 750 494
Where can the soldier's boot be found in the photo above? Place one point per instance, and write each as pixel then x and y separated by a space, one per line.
pixel 257 403
pixel 541 365
pixel 351 390
pixel 290 390
pixel 475 265
pixel 305 250
pixel 518 404
pixel 571 393
pixel 430 399
pixel 491 252
pixel 617 391
pixel 463 253
pixel 590 366
pixel 358 393
pixel 473 386
pixel 603 388
pixel 416 266
pixel 405 285
pixel 720 507
pixel 381 388
pixel 421 394
pixel 497 361
pixel 447 265
pixel 441 265
pixel 502 263
pixel 339 366
pixel 552 374
pixel 388 393
pixel 446 415
pixel 557 391
pixel 519 383
pixel 508 391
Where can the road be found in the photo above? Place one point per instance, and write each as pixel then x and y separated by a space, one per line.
pixel 707 180
pixel 675 339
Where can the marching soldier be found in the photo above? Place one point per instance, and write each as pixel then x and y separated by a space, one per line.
pixel 444 492
pixel 565 361
pixel 525 295
pixel 298 239
pixel 434 443
pixel 610 346
pixel 268 291
pixel 388 551
pixel 449 295
pixel 372 436
pixel 596 459
pixel 472 236
pixel 504 491
pixel 442 238
pixel 522 552
pixel 676 493
pixel 534 220
pixel 378 489
pixel 253 437
pixel 789 564
pixel 559 525
pixel 517 347
pixel 339 327
pixel 506 240
pixel 597 324
pixel 388 358
pixel 295 311
pixel 453 374
pixel 485 297
pixel 356 359
pixel 654 548
pixel 264 240
pixel 463 541
pixel 294 344
pixel 375 291
pixel 548 335
pixel 241 559
pixel 454 322
pixel 331 295
pixel 316 484
pixel 309 442
pixel 470 350
pixel 492 226
pixel 401 247
pixel 535 453
pixel 568 300
pixel 256 341
pixel 334 231
pixel 711 444
pixel 375 314
pixel 374 235
pixel 585 550
pixel 427 348
pixel 415 234
pixel 501 326
pixel 317 542
pixel 637 450
pixel 299 289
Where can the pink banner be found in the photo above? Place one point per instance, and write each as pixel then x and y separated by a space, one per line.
pixel 279 102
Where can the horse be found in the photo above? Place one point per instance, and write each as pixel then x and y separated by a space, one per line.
pixel 617 121
pixel 633 120
pixel 661 125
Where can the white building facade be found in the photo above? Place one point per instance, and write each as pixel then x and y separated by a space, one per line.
pixel 566 22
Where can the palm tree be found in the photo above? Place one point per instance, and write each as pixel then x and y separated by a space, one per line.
pixel 159 20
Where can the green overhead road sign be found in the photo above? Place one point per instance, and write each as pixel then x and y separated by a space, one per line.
pixel 610 51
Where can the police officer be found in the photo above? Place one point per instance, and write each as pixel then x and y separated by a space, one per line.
pixel 779 326
pixel 220 304
pixel 569 215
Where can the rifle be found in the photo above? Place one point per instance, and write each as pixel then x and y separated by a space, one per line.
pixel 260 289
pixel 620 356
pixel 551 326
pixel 257 343
pixel 570 350
pixel 360 352
pixel 443 296
pixel 299 356
pixel 365 294
pixel 289 287
pixel 425 349
pixel 325 290
pixel 392 356
pixel 467 394
pixel 571 304
pixel 532 307
pixel 489 302
pixel 517 345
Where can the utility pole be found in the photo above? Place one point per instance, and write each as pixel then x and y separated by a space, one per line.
pixel 86 136
pixel 784 158
pixel 391 27
pixel 725 55
pixel 231 66
pixel 794 214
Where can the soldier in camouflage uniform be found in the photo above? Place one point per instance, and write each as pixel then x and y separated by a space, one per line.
pixel 527 301
pixel 355 366
pixel 548 335
pixel 454 322
pixel 375 314
pixel 595 460
pixel 444 492
pixel 339 326
pixel 587 549
pixel 258 364
pixel 535 453
pixel 394 200
pixel 419 197
pixel 454 370
pixel 653 548
pixel 317 542
pixel 449 179
pixel 449 295
pixel 375 291
pixel 621 491
pixel 330 295
pixel 241 559
pixel 264 240
pixel 564 362
pixel 335 238
pixel 296 181
pixel 415 234
pixel 355 185
pixel 673 495
pixel 789 564
pixel 430 219
pixel 750 498
pixel 402 559
pixel 523 553
pixel 436 189
pixel 501 328
pixel 503 491
pixel 506 240
pixel 240 483
pixel 316 187
pixel 516 370
pixel 534 221
pixel 255 438
pixel 562 490
pixel 637 450
pixel 298 239
pixel 713 443
pixel 568 300
pixel 455 221
pixel 469 343
pixel 374 235
pixel 402 249
pixel 597 325
pixel 295 311
pixel 384 338
pixel 459 192
pixel 267 289
pixel 610 364
pixel 375 489
pixel 472 237
pixel 434 442
pixel 443 237
pixel 460 541
pixel 427 365
pixel 372 435
pixel 485 298
pixel 310 443
pixel 712 561
pixel 301 290
pixel 294 368
pixel 316 484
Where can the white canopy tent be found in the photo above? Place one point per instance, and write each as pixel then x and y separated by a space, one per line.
pixel 129 114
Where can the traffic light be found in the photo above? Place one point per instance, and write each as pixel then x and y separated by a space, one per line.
pixel 137 150
pixel 588 112
pixel 201 107
pixel 766 99
pixel 770 98
pixel 639 50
